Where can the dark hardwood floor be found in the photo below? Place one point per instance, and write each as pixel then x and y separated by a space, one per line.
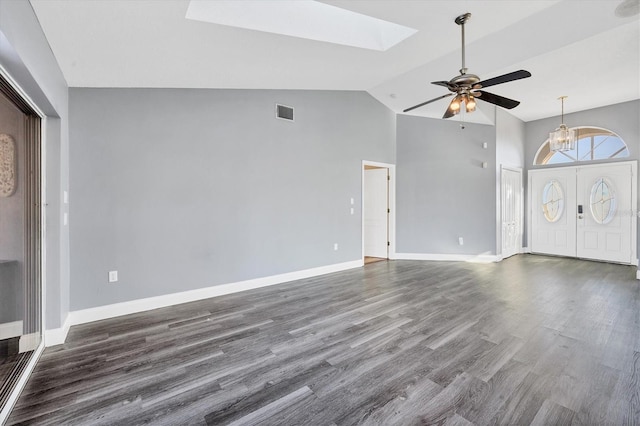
pixel 530 340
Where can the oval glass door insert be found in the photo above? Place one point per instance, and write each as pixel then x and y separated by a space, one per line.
pixel 603 201
pixel 552 201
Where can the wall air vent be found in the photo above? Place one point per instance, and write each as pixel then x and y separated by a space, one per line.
pixel 284 112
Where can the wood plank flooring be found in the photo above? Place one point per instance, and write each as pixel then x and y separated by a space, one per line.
pixel 531 340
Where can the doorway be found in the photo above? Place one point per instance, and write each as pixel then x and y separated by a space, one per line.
pixel 586 212
pixel 378 204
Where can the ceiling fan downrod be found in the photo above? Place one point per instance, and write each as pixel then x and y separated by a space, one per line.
pixel 461 20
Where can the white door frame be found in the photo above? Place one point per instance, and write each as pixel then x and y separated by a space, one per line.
pixel 634 201
pixel 392 204
pixel 499 236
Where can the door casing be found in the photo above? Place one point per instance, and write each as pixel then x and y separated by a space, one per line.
pixel 392 204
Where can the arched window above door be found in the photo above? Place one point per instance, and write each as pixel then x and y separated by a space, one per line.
pixel 593 144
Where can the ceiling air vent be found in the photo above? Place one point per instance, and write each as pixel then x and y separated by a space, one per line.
pixel 284 112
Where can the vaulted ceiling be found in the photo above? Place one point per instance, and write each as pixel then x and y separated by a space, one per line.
pixel 583 49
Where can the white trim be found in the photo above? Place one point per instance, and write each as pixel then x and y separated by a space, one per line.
pixel 17 389
pixel 22 93
pixel 472 258
pixel 146 304
pixel 43 228
pixel 10 329
pixel 57 336
pixel 392 204
pixel 526 250
pixel 638 275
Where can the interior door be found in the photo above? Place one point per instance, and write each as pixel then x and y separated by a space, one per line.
pixel 511 211
pixel 604 212
pixel 553 211
pixel 376 212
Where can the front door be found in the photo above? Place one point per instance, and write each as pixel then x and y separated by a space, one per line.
pixel 604 226
pixel 585 212
pixel 553 211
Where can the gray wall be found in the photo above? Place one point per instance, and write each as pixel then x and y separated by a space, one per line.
pixel 623 119
pixel 181 189
pixel 25 54
pixel 442 190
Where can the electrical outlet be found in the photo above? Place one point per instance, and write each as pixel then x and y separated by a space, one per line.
pixel 335 246
pixel 113 276
pixel 460 241
pixel 351 210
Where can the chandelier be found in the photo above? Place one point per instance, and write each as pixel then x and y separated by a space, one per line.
pixel 562 138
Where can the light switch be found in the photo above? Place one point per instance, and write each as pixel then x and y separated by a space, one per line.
pixel 65 197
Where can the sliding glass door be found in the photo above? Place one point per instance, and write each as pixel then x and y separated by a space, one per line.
pixel 20 238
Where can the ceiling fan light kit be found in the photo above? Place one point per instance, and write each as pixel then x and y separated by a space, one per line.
pixel 562 138
pixel 466 87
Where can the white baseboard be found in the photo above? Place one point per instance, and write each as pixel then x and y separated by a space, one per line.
pixel 57 336
pixel 29 342
pixel 473 258
pixel 140 305
pixel 10 329
pixel 638 275
pixel 525 250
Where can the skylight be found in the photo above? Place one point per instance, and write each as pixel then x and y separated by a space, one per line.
pixel 304 19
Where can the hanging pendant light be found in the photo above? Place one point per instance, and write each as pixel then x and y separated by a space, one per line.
pixel 562 138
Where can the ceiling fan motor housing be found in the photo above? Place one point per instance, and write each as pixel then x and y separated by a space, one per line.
pixel 465 81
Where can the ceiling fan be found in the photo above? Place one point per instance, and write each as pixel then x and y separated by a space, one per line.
pixel 466 87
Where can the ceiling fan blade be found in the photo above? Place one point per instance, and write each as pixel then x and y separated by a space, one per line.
pixel 516 75
pixel 447 84
pixel 496 99
pixel 428 102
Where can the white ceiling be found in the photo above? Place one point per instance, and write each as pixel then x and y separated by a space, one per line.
pixel 575 48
